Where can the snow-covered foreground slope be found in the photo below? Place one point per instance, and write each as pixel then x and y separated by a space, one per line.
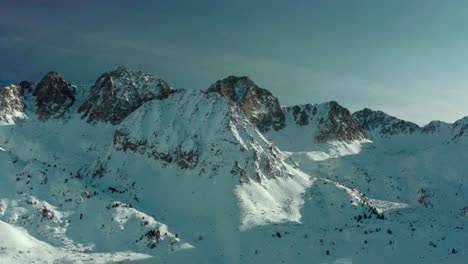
pixel 188 177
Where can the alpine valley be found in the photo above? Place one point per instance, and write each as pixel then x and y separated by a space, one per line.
pixel 134 170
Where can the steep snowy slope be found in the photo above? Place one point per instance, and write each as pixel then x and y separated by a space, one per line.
pixel 204 136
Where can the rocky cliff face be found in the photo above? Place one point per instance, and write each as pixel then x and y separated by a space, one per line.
pixel 383 124
pixel 119 92
pixel 460 129
pixel 259 105
pixel 26 87
pixel 54 96
pixel 327 122
pixel 11 107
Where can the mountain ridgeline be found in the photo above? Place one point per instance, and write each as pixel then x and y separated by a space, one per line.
pixel 118 93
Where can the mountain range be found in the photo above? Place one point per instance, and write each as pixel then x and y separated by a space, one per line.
pixel 132 169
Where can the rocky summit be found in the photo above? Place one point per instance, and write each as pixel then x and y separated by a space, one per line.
pixel 119 92
pixel 54 96
pixel 332 122
pixel 259 105
pixel 384 124
pixel 460 129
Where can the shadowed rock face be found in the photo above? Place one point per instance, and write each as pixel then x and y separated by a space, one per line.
pixel 259 105
pixel 384 124
pixel 339 125
pixel 54 96
pixel 460 129
pixel 119 92
pixel 26 87
pixel 328 121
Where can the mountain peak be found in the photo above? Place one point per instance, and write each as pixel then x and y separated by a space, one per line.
pixel 53 74
pixel 383 123
pixel 118 92
pixel 326 122
pixel 460 128
pixel 436 126
pixel 54 96
pixel 258 104
pixel 122 68
pixel 233 87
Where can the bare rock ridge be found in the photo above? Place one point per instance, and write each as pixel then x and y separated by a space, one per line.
pixel 460 129
pixel 384 124
pixel 330 121
pixel 54 96
pixel 11 107
pixel 259 105
pixel 119 92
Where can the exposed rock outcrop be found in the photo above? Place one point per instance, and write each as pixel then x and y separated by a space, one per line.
pixel 460 129
pixel 259 105
pixel 119 92
pixel 326 122
pixel 384 124
pixel 11 107
pixel 54 96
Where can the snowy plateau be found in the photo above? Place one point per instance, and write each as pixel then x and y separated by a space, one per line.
pixel 133 170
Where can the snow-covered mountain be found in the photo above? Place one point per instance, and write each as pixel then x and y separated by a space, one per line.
pixel 134 170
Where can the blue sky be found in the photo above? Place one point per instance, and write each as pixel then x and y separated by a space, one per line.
pixel 407 58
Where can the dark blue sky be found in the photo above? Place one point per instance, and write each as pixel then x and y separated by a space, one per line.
pixel 408 58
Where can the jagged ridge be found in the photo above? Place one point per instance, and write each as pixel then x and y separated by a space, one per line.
pixel 259 105
pixel 383 123
pixel 330 121
pixel 119 92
